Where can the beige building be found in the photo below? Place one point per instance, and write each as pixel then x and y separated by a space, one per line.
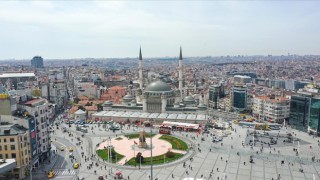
pixel 14 144
pixel 271 108
pixel 7 104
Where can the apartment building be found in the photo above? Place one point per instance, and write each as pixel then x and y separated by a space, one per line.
pixel 271 108
pixel 23 118
pixel 14 144
pixel 43 112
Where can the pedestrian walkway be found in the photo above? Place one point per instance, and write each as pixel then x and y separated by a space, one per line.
pixel 64 172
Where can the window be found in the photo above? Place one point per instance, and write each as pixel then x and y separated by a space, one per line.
pixel 13 155
pixel 7 156
pixel 4 140
pixel 0 149
pixel 1 157
pixel 12 139
pixel 13 147
pixel 5 147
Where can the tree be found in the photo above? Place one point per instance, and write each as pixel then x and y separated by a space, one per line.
pixel 138 156
pixel 76 100
pixel 169 154
pixel 265 126
pixel 82 108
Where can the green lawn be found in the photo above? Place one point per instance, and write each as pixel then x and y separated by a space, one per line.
pixel 136 135
pixel 103 153
pixel 175 142
pixel 155 160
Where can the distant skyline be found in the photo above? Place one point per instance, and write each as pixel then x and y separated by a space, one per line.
pixel 116 29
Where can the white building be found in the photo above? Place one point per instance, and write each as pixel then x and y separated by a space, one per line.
pixel 238 79
pixel 276 109
pixel 43 112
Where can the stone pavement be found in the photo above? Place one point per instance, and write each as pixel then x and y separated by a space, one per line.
pixel 215 159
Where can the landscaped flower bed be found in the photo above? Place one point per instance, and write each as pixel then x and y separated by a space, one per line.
pixel 175 142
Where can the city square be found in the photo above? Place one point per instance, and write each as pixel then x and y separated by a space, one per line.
pixel 228 159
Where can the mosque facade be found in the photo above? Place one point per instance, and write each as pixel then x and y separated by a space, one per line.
pixel 158 96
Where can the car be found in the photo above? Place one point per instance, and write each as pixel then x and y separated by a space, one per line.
pixel 84 125
pixel 50 174
pixel 61 148
pixel 206 132
pixel 70 149
pixel 101 178
pixel 215 140
pixel 75 165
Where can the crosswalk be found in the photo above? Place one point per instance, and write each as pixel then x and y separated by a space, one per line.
pixel 64 172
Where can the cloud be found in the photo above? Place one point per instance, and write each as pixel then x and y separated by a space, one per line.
pixel 202 27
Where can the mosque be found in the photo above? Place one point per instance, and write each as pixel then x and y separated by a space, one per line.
pixel 158 96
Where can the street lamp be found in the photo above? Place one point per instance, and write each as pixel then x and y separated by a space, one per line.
pixel 151 164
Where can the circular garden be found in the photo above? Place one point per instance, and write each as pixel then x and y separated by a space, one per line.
pixel 124 149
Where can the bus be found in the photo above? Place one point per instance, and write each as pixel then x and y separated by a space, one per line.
pixel 165 130
pixel 274 126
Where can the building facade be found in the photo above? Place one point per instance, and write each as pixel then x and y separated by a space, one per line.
pixel 14 140
pixel 37 62
pixel 43 113
pixel 239 97
pixel 314 121
pixel 267 108
pixel 215 93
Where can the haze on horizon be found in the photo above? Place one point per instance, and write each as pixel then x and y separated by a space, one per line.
pixel 116 29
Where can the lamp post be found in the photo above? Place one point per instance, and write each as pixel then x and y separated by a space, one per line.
pixel 151 164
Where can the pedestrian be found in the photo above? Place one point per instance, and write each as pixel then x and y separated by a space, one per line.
pixel 172 176
pixel 217 169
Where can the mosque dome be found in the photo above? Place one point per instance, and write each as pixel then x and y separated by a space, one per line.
pixel 188 99
pixel 107 103
pixel 128 98
pixel 158 86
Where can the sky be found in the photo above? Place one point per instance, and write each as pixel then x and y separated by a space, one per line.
pixel 116 29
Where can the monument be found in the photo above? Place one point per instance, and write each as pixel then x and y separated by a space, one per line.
pixel 142 140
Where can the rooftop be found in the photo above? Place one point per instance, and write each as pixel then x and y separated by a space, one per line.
pixel 11 129
pixel 13 75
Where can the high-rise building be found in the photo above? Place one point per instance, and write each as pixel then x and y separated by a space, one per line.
pixel 239 98
pixel 216 92
pixel 314 120
pixel 305 112
pixel 299 111
pixel 37 62
pixel 43 113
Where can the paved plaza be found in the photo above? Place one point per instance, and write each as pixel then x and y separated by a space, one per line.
pixel 229 159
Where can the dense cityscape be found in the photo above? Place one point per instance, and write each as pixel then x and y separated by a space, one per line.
pixel 159 90
pixel 63 115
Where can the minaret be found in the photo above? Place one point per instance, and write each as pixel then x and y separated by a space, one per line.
pixel 180 71
pixel 140 70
